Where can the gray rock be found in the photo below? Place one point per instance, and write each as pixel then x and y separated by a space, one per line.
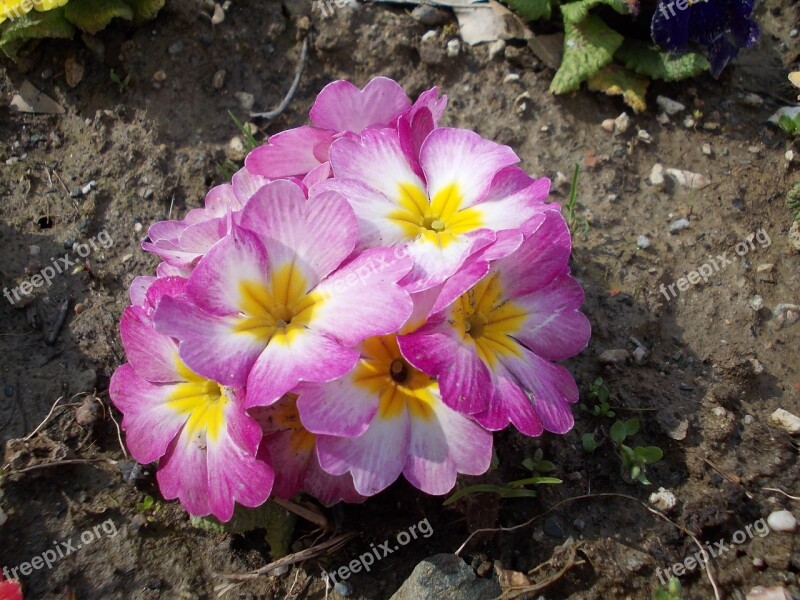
pixel 445 577
pixel 678 225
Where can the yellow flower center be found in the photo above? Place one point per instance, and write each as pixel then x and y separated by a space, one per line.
pixel 202 401
pixel 279 311
pixel 488 321
pixel 384 372
pixel 440 221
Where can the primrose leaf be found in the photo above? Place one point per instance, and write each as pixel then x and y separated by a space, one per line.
pixel 615 80
pixel 34 25
pixel 631 426
pixel 588 441
pixel 649 454
pixel 92 16
pixel 647 60
pixel 144 10
pixel 531 10
pixel 618 432
pixel 588 47
pixel 473 489
pixel 575 12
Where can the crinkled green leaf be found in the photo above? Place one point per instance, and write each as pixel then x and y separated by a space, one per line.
pixel 575 12
pixel 532 10
pixel 588 47
pixel 615 80
pixel 48 24
pixel 93 15
pixel 278 522
pixel 144 10
pixel 647 60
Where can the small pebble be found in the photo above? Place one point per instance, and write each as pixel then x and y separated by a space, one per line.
pixel 246 100
pixel 496 49
pixel 430 15
pixel 429 35
pixel 553 528
pixel 8 390
pixel 137 227
pixel 773 593
pixel 34 250
pixel 707 149
pixel 511 78
pixel 678 225
pixel 88 187
pixel 453 48
pixel 621 123
pixel 758 563
pixel 643 242
pixel 689 122
pixel 579 524
pixel 643 136
pixel 756 302
pixel 782 520
pixel 748 419
pixel 663 119
pixel 664 500
pixel 159 75
pixel 343 588
pixel 614 357
pixel 786 421
pixel 669 106
pixel 657 175
pixel 219 79
pixel 175 48
pixel 639 355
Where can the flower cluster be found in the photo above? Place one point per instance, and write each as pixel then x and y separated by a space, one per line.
pixel 372 295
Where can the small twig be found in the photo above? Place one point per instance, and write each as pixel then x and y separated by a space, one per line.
pixel 274 114
pixel 708 569
pixel 119 431
pixel 727 477
pixel 42 424
pixel 328 547
pixel 69 461
pixel 516 592
pixel 766 489
pixel 301 511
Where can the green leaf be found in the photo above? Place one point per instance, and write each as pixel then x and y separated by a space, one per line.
pixel 788 124
pixel 588 47
pixel 278 522
pixel 642 479
pixel 618 432
pixel 575 12
pixel 144 10
pixel 517 493
pixel 647 60
pixel 627 453
pixel 636 470
pixel 534 481
pixel 34 25
pixel 531 10
pixel 588 441
pixel 649 454
pixel 92 16
pixel 473 489
pixel 631 426
pixel 146 504
pixel 615 80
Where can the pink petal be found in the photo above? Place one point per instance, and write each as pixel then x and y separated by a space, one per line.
pixel 154 357
pixel 291 153
pixel 341 106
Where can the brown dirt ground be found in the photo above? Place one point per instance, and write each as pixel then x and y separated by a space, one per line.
pixel 155 147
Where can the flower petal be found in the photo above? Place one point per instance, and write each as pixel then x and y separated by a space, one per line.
pixel 149 424
pixel 341 106
pixel 305 355
pixel 290 153
pixel 462 157
pixel 375 459
pixel 153 356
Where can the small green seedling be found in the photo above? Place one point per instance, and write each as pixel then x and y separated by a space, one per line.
pixel 513 489
pixel 601 394
pixel 790 125
pixel 671 592
pixel 573 220
pixel 148 504
pixel 228 168
pixel 121 83
pixel 537 464
pixel 634 460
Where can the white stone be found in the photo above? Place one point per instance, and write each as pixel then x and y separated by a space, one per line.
pixel 783 419
pixel 663 500
pixel 429 35
pixel 657 175
pixel 679 225
pixel 644 136
pixel 453 48
pixel 643 242
pixel 773 593
pixel 511 78
pixel 707 149
pixel 608 125
pixel 639 355
pixel 694 181
pixel 756 302
pixel 669 106
pixel 782 520
pixel 621 123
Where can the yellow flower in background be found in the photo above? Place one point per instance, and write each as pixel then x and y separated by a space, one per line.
pixel 14 9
